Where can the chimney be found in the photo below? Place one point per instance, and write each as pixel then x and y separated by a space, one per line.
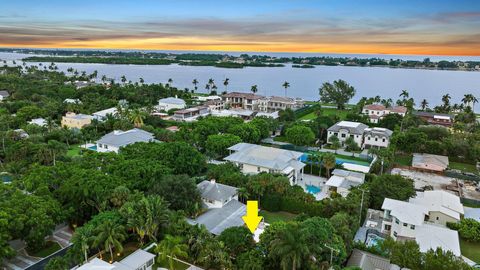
pixel 212 181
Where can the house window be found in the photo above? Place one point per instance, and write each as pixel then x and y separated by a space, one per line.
pixel 412 227
pixel 383 140
pixel 437 218
pixel 388 227
pixel 397 221
pixel 343 135
pixel 369 138
pixel 395 233
pixel 100 145
pixel 258 169
pixel 351 136
pixel 106 146
pixel 336 134
pixel 405 224
pixel 376 139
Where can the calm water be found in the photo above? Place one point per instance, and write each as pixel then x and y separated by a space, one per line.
pixel 304 83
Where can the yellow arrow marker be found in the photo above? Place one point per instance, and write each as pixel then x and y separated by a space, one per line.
pixel 252 219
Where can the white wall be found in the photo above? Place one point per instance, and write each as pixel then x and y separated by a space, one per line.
pixel 401 230
pixel 169 106
pixel 106 148
pixel 370 140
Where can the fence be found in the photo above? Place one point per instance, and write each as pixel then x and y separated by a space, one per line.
pixel 469 177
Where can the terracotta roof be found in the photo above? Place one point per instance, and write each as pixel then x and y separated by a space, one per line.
pixel 376 107
pixel 398 109
pixel 242 95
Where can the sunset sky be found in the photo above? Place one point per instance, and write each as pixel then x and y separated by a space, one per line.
pixel 427 27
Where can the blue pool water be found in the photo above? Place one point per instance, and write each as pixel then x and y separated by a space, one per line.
pixel 93 148
pixel 373 240
pixel 338 160
pixel 313 189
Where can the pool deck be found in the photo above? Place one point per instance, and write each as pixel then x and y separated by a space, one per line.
pixel 314 181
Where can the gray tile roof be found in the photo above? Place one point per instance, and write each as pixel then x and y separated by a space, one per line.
pixel 120 138
pixel 380 132
pixel 137 259
pixel 216 220
pixel 211 190
pixel 352 127
pixel 262 156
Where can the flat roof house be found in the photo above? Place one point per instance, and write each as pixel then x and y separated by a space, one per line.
pixel 73 120
pixel 38 121
pixel 246 101
pixel 345 129
pixel 113 141
pixel 417 220
pixel 376 137
pixel 4 94
pixel 342 180
pixel 223 208
pixel 139 259
pixel 191 114
pixel 254 159
pixel 166 104
pixel 430 162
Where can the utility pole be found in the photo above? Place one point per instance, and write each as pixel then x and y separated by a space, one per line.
pixel 331 253
pixel 361 207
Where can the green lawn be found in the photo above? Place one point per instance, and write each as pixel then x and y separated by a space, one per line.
pixel 177 265
pixel 326 111
pixel 271 217
pixel 74 150
pixel 50 248
pixel 405 160
pixel 463 167
pixel 470 250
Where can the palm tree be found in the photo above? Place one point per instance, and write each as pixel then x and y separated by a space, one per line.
pixel 104 78
pixel 254 89
pixel 404 94
pixel 171 247
pixel 225 83
pixel 137 116
pixel 424 104
pixel 83 238
pixel 169 82
pixel 123 79
pixel 310 160
pixel 446 100
pixel 289 246
pixel 55 147
pixel 211 82
pixel 469 99
pixel 329 162
pixel 286 85
pixel 110 235
pixel 141 80
pixel 195 82
pixel 243 194
pixel 207 87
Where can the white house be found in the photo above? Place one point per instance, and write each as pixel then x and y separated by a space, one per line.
pixel 166 104
pixel 102 115
pixel 72 101
pixel 423 219
pixel 222 208
pixel 191 114
pixel 254 159
pixel 3 95
pixel 376 137
pixel 342 180
pixel 346 129
pixel 375 112
pixel 138 260
pixel 113 141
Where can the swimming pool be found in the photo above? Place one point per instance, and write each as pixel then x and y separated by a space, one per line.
pixel 373 240
pixel 338 160
pixel 93 147
pixel 313 189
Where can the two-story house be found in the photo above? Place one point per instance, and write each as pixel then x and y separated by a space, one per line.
pixel 376 137
pixel 433 118
pixel 245 101
pixel 346 129
pixel 375 112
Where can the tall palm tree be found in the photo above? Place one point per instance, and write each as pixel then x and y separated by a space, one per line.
pixel 171 247
pixel 225 83
pixel 329 162
pixel 404 94
pixel 141 80
pixel 195 82
pixel 123 79
pixel 243 194
pixel 289 246
pixel 254 89
pixel 83 238
pixel 169 82
pixel 286 85
pixel 56 148
pixel 446 100
pixel 211 82
pixel 207 87
pixel 104 78
pixel 110 235
pixel 310 160
pixel 424 104
pixel 469 99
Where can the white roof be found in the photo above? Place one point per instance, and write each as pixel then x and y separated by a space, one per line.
pixel 440 201
pixel 432 236
pixel 172 100
pixel 267 157
pixel 335 181
pixel 96 264
pixel 38 121
pixel 137 259
pixel 120 138
pixel 348 124
pixel 406 212
pixel 103 113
